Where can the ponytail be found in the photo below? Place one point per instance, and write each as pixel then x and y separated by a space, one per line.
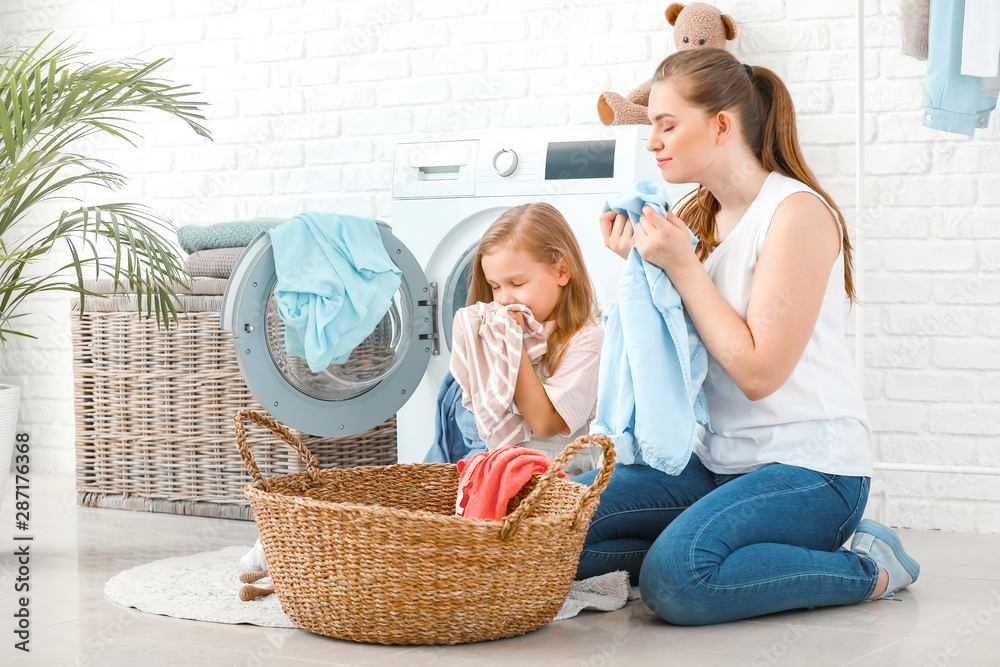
pixel 714 80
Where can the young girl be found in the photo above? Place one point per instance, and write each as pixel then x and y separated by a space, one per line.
pixel 754 524
pixel 530 256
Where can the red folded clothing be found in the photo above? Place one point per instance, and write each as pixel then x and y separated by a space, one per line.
pixel 489 480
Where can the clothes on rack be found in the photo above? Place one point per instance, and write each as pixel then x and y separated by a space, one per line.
pixel 955 101
pixel 981 44
pixel 981 38
pixel 913 18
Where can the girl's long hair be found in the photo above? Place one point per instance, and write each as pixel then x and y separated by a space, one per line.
pixel 543 232
pixel 714 80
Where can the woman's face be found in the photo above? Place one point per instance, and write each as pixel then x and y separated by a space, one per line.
pixel 682 139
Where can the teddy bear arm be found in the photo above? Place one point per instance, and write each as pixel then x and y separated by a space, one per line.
pixel 640 95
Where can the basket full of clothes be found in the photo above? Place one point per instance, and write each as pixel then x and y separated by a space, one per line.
pixel 378 554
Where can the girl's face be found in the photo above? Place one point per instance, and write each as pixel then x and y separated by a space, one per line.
pixel 517 277
pixel 682 139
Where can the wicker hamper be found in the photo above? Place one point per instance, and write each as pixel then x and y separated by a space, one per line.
pixel 375 554
pixel 154 411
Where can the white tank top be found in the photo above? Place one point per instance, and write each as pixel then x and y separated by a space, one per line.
pixel 817 419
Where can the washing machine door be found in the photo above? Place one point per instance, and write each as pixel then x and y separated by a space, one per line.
pixel 342 399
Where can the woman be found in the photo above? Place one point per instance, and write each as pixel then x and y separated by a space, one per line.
pixel 755 522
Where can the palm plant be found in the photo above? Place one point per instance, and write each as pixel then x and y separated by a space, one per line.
pixel 51 99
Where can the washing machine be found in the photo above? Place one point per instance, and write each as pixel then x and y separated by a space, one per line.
pixel 445 194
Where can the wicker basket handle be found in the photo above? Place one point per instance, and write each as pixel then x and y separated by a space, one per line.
pixel 512 521
pixel 312 465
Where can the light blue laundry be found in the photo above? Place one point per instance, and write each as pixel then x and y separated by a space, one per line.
pixel 653 362
pixel 954 101
pixel 643 193
pixel 193 238
pixel 335 282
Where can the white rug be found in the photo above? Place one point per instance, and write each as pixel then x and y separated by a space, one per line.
pixel 203 587
pixel 206 586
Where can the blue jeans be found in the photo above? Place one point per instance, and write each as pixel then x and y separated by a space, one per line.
pixel 707 548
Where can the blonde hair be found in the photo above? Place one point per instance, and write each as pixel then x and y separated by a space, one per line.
pixel 542 231
pixel 714 80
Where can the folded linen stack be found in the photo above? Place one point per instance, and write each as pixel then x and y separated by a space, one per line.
pixel 213 250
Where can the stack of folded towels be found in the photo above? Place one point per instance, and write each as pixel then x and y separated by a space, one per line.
pixel 214 249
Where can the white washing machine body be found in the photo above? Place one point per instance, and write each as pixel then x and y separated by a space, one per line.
pixel 445 194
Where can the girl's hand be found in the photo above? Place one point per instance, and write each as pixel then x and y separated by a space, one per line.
pixel 617 232
pixel 518 316
pixel 664 241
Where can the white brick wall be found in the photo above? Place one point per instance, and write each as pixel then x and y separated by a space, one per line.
pixel 310 96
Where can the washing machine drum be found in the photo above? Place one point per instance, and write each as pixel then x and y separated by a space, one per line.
pixel 342 399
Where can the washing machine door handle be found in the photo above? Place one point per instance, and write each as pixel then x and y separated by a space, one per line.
pixel 345 399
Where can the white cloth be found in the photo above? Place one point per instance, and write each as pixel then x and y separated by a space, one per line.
pixel 605 592
pixel 981 38
pixel 817 419
pixel 485 356
pixel 254 560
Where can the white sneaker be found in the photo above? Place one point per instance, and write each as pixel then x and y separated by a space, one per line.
pixel 882 545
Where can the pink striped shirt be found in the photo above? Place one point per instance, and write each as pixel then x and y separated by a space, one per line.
pixel 485 356
pixel 572 389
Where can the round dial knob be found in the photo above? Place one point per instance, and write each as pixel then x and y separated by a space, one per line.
pixel 505 162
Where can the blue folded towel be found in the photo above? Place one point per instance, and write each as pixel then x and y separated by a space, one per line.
pixel 653 362
pixel 193 238
pixel 455 434
pixel 335 282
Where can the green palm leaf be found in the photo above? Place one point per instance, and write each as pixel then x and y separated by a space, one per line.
pixel 51 97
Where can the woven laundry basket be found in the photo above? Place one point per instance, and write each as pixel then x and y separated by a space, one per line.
pixel 375 554
pixel 154 411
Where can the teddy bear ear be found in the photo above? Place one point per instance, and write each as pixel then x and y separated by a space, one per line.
pixel 673 11
pixel 727 21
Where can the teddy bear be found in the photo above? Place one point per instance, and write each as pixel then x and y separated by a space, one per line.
pixel 696 25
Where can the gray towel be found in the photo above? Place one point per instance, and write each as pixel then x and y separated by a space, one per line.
pixel 216 263
pixel 223 234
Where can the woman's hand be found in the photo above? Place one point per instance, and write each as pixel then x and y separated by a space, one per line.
pixel 617 232
pixel 664 241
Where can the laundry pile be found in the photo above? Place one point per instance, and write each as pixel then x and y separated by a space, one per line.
pixel 213 249
pixel 488 480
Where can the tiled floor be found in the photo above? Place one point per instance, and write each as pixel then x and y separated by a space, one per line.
pixel 950 617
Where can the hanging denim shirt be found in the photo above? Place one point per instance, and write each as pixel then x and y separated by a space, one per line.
pixel 955 102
